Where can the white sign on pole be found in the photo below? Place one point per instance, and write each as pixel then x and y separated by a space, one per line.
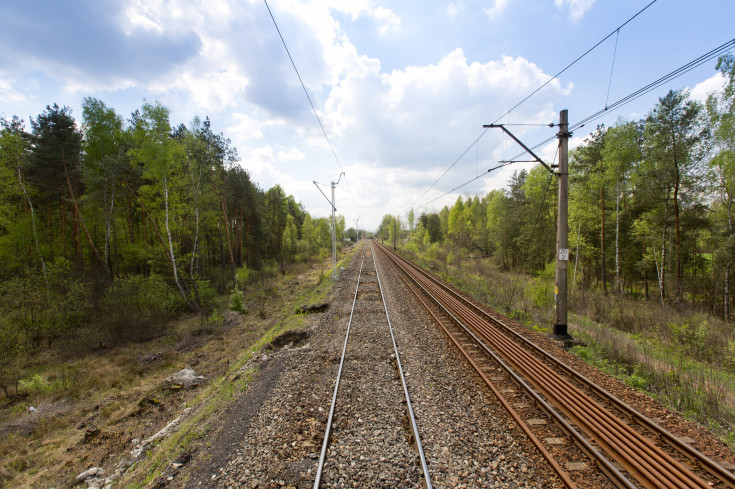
pixel 564 254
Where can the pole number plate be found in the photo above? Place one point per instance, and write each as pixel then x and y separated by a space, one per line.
pixel 564 254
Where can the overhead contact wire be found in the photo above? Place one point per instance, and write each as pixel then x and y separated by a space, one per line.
pixel 695 63
pixel 536 91
pixel 306 92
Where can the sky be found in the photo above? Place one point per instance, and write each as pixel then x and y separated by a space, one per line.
pixel 402 89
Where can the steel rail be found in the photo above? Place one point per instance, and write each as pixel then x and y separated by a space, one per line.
pixel 325 443
pixel 409 406
pixel 706 463
pixel 651 466
pixel 606 467
pixel 639 456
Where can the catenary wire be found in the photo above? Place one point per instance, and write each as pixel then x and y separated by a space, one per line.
pixel 306 92
pixel 612 68
pixel 718 51
pixel 617 29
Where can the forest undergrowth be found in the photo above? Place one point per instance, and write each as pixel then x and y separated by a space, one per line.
pixel 72 412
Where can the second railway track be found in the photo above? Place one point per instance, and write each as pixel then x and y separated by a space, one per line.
pixel 631 450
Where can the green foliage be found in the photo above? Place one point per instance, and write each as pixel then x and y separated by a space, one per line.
pixel 137 307
pixel 33 385
pixel 243 276
pixel 236 301
pixel 691 335
pixel 207 296
pixel 541 288
pixel 729 360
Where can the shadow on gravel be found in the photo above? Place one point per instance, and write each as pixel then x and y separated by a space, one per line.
pixel 312 309
pixel 292 338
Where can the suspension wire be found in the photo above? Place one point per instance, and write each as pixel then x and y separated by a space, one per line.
pixel 617 29
pixel 718 51
pixel 697 62
pixel 306 92
pixel 609 83
pixel 576 60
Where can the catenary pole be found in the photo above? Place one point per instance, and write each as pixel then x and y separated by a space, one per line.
pixel 559 328
pixel 562 232
pixel 334 227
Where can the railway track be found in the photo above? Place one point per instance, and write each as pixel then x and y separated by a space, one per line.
pixel 366 394
pixel 588 437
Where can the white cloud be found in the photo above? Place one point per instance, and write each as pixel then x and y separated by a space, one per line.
pixel 702 90
pixel 318 12
pixel 244 127
pixel 397 127
pixel 292 154
pixel 9 94
pixel 496 9
pixel 577 8
pixel 387 20
pixel 140 15
pixel 454 8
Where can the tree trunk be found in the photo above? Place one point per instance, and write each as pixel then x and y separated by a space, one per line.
pixel 679 276
pixel 194 306
pixel 195 247
pixel 223 204
pixel 62 218
pixel 33 222
pixel 645 272
pixel 617 237
pixel 576 257
pixel 108 227
pixel 662 273
pixel 602 241
pixel 81 221
pixel 726 292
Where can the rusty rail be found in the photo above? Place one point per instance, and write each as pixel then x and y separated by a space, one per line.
pixel 647 463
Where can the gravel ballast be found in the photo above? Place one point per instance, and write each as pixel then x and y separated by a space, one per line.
pixel 468 438
pixel 468 441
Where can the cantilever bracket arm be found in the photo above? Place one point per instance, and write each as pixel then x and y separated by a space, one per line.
pixel 325 195
pixel 536 158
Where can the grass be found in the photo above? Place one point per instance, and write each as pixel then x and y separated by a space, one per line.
pixel 221 391
pixel 683 358
pixel 114 389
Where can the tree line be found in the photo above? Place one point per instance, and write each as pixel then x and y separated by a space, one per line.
pixel 650 209
pixel 108 210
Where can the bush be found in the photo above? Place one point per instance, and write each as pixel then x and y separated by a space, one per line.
pixel 691 335
pixel 207 296
pixel 243 275
pixel 236 301
pixel 269 269
pixel 137 307
pixel 541 288
pixel 13 349
pixel 729 360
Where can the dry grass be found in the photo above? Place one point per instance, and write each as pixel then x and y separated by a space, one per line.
pixel 119 391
